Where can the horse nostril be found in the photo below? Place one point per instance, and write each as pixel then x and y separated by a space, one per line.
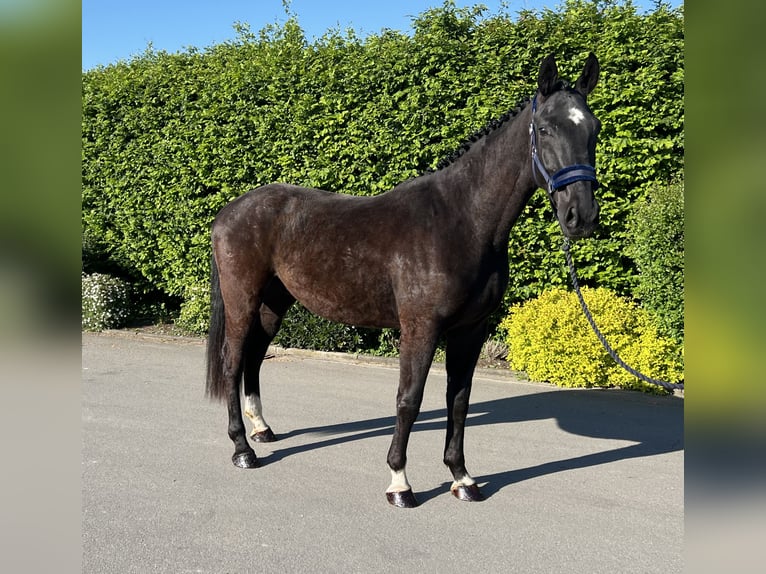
pixel 572 219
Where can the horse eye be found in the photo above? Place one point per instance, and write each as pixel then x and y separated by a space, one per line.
pixel 543 131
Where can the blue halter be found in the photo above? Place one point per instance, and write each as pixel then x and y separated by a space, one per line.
pixel 564 176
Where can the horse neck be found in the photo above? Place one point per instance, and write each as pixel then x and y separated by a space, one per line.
pixel 494 180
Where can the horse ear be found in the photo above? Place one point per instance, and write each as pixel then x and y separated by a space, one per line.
pixel 587 80
pixel 549 76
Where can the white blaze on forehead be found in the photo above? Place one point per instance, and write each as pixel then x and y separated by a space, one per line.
pixel 576 115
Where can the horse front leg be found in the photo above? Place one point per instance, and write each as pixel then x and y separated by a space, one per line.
pixel 463 349
pixel 416 353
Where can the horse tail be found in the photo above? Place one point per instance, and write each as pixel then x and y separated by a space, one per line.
pixel 215 387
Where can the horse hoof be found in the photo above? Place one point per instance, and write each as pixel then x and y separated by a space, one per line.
pixel 245 460
pixel 403 499
pixel 263 436
pixel 469 492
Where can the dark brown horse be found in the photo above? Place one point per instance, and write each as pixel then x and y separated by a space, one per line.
pixel 429 257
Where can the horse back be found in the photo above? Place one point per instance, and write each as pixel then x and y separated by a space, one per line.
pixel 357 260
pixel 329 250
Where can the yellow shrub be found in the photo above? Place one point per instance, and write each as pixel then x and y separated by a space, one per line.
pixel 550 338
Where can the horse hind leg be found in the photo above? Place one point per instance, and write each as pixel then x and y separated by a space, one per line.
pixel 231 324
pixel 244 456
pixel 257 345
pixel 276 301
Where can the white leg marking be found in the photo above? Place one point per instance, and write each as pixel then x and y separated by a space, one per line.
pixel 254 411
pixel 576 115
pixel 398 481
pixel 465 481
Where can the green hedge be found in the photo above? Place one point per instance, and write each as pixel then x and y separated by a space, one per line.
pixel 657 230
pixel 169 139
pixel 303 330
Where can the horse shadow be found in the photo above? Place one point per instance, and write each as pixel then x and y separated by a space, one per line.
pixel 653 424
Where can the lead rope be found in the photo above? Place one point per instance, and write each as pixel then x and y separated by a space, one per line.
pixel 576 284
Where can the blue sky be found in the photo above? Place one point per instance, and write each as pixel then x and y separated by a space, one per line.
pixel 114 30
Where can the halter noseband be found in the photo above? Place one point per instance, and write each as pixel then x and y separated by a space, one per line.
pixel 564 176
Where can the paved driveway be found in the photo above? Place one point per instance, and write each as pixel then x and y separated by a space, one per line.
pixel 577 480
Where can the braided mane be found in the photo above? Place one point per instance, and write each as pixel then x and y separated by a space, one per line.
pixel 490 127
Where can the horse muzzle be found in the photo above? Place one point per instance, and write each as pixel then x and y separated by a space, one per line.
pixel 578 216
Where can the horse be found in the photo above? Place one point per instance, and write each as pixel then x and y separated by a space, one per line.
pixel 429 257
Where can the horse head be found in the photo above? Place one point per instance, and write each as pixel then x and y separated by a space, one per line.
pixel 563 134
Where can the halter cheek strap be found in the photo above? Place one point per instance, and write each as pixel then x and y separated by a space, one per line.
pixel 564 176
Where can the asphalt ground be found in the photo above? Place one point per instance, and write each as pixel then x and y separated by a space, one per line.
pixel 576 481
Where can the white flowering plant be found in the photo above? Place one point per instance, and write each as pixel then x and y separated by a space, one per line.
pixel 105 302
